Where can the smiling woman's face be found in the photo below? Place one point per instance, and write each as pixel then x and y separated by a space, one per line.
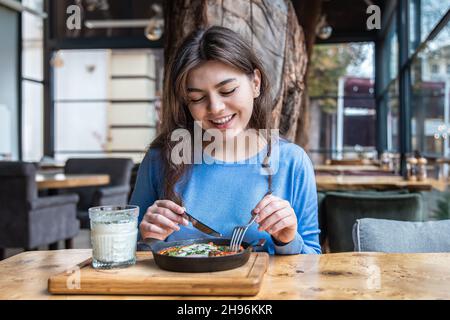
pixel 222 97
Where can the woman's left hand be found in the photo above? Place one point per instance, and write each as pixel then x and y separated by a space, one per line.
pixel 277 217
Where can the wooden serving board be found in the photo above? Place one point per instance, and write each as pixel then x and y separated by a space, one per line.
pixel 146 278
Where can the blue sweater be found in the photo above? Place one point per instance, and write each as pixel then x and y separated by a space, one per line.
pixel 223 194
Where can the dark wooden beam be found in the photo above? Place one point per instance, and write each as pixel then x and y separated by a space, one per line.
pixel 49 107
pixel 308 14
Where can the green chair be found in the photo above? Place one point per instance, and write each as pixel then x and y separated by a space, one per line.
pixel 322 216
pixel 343 209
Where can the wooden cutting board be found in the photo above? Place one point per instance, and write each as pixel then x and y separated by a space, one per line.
pixel 146 278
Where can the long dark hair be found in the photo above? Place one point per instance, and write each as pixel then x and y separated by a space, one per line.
pixel 217 44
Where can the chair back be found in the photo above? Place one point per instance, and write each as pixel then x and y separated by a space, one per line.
pixel 118 169
pixel 133 179
pixel 343 209
pixel 17 182
pixel 17 191
pixel 321 216
pixel 392 236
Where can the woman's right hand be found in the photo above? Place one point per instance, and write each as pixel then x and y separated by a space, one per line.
pixel 162 219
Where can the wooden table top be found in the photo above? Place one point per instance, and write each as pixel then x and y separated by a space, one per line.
pixel 330 167
pixel 60 180
pixel 347 182
pixel 349 275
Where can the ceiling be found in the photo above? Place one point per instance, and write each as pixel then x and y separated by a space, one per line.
pixel 348 18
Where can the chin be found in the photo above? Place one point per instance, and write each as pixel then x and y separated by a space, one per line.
pixel 232 133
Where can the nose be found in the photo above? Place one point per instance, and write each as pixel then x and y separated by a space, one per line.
pixel 216 105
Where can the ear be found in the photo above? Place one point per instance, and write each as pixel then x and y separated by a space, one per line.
pixel 256 83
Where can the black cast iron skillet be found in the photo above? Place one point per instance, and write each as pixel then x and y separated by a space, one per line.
pixel 198 264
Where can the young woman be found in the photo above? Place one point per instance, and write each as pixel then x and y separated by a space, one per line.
pixel 215 82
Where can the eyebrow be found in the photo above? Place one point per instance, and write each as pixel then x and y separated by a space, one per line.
pixel 222 83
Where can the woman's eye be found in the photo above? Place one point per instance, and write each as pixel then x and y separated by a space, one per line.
pixel 225 93
pixel 197 100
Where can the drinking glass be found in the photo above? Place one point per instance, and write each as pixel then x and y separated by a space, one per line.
pixel 114 231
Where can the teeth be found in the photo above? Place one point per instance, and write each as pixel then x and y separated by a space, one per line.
pixel 222 120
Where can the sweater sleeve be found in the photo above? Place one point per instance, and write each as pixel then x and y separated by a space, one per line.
pixel 145 191
pixel 305 207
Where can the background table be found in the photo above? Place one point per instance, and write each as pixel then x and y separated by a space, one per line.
pixel 329 276
pixel 61 181
pixel 343 168
pixel 348 182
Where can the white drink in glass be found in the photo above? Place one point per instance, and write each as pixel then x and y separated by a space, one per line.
pixel 114 233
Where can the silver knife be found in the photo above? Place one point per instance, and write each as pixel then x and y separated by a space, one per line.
pixel 201 226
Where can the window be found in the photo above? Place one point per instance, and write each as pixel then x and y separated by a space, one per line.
pixel 390 54
pixel 430 103
pixel 414 26
pixel 105 102
pixel 342 105
pixel 424 16
pixel 434 68
pixel 393 55
pixel 431 12
pixel 32 83
pixel 9 75
pixel 393 138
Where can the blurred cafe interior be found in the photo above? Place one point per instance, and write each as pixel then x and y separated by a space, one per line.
pixel 80 102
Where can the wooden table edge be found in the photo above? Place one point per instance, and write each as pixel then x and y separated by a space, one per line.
pixel 74 182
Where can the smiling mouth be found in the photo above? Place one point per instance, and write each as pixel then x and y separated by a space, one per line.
pixel 223 120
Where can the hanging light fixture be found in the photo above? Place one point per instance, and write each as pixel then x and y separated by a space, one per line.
pixel 323 29
pixel 92 5
pixel 155 27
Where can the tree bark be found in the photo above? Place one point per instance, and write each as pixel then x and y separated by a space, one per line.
pixel 273 30
pixel 308 17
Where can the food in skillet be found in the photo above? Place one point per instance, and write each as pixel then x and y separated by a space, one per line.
pixel 198 250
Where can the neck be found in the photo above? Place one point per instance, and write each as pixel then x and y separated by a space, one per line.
pixel 243 146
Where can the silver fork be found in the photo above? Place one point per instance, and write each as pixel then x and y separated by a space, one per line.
pixel 238 234
pixel 239 231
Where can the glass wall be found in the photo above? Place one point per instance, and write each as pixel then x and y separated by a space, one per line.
pixel 389 96
pixel 430 82
pixel 424 16
pixel 430 104
pixel 9 74
pixel 392 52
pixel 105 102
pixel 426 70
pixel 32 82
pixel 393 102
pixel 342 105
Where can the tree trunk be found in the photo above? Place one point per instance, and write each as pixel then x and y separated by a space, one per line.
pixel 272 29
pixel 309 16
